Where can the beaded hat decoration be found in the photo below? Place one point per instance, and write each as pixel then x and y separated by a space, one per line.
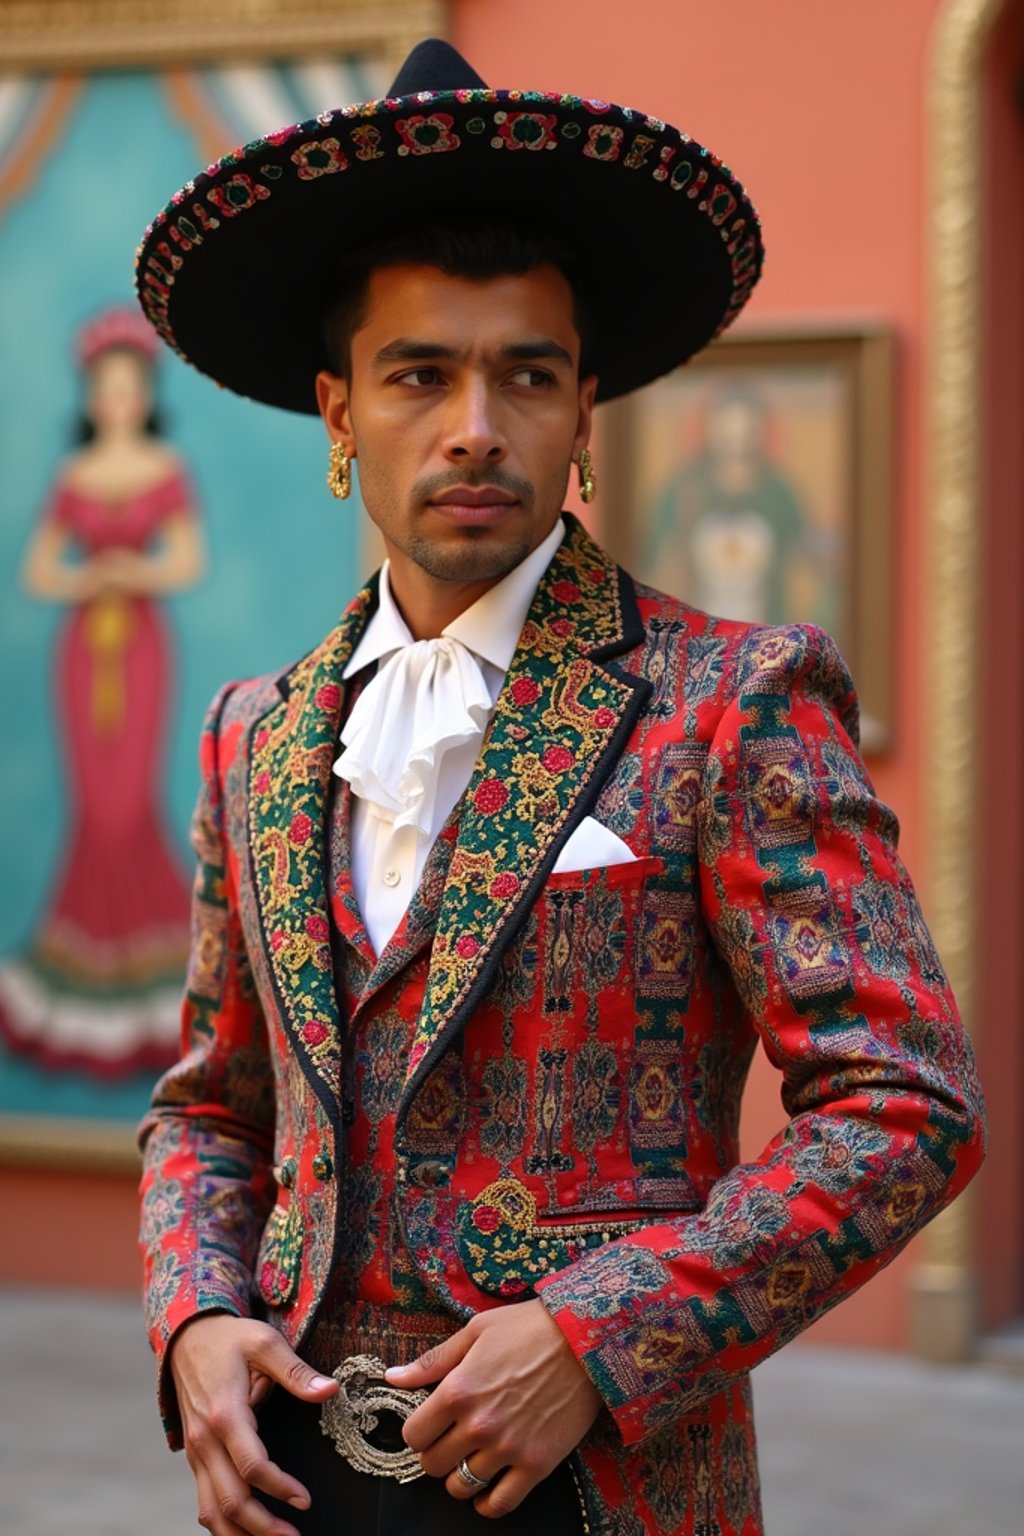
pixel 119 329
pixel 235 272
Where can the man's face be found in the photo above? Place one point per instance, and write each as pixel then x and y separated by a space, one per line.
pixel 465 410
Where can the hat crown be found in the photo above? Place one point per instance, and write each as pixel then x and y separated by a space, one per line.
pixel 435 65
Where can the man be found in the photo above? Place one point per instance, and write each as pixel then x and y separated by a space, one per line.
pixel 450 1161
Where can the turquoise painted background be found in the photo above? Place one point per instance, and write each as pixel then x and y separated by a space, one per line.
pixel 282 555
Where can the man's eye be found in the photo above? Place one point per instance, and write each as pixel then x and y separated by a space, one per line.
pixel 419 378
pixel 531 378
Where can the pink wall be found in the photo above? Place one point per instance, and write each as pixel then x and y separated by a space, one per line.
pixel 70 1229
pixel 819 109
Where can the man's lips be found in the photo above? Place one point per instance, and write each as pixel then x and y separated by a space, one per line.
pixel 473 504
pixel 473 496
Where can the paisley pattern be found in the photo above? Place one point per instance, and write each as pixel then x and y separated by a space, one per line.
pixel 535 1089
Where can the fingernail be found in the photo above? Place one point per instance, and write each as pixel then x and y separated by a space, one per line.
pixel 395 1370
pixel 321 1381
pixel 297 1502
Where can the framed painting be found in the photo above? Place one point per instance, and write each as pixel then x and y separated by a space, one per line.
pixel 120 462
pixel 757 484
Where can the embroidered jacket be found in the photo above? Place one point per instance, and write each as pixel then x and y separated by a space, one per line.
pixel 565 1122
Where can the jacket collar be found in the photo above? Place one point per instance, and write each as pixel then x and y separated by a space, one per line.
pixel 489 627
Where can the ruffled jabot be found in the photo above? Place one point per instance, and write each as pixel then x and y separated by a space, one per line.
pixel 427 698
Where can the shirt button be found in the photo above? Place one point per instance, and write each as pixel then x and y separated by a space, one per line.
pixel 391 877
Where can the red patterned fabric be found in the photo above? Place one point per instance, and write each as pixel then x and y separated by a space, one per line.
pixel 552 1063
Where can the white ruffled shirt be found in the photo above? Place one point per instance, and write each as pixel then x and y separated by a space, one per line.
pixel 412 739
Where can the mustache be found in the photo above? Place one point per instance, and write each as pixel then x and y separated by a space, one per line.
pixel 496 477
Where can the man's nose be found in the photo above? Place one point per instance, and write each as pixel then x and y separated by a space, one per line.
pixel 472 430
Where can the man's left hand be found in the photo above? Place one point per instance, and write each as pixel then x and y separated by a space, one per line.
pixel 512 1399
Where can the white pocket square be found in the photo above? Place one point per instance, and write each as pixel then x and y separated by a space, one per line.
pixel 590 846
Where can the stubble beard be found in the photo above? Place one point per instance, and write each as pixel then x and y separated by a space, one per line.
pixel 472 559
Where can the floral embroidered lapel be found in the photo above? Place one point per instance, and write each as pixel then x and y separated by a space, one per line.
pixel 560 723
pixel 293 748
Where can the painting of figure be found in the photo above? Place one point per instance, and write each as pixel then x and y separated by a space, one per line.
pixel 142 515
pixel 736 520
pixel 757 484
pixel 750 518
pixel 98 987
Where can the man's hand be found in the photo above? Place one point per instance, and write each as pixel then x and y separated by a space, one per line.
pixel 222 1367
pixel 512 1395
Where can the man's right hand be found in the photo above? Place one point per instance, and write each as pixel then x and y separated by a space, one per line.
pixel 222 1367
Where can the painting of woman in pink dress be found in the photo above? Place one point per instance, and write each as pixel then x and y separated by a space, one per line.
pixel 99 987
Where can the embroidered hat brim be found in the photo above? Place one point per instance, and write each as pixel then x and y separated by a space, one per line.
pixel 235 272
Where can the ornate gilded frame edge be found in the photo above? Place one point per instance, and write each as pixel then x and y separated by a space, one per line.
pixel 83 35
pixel 943 1305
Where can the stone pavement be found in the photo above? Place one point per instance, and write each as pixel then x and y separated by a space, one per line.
pixel 851 1443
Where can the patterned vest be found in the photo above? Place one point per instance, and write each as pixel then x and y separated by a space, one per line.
pixel 376 1302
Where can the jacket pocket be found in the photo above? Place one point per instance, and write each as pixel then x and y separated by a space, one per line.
pixel 506 1247
pixel 279 1259
pixel 633 872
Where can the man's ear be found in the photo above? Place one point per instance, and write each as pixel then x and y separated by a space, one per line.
pixel 332 397
pixel 585 420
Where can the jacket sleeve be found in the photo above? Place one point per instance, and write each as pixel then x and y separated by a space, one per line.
pixel 814 915
pixel 207 1140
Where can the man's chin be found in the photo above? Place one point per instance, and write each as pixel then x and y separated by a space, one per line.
pixel 472 558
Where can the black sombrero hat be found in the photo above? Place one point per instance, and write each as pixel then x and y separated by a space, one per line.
pixel 233 272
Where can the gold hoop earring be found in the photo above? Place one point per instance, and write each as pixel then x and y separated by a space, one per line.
pixel 339 475
pixel 588 484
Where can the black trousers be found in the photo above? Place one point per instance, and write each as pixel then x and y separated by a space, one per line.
pixel 350 1503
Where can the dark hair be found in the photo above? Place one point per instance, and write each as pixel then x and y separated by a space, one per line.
pixel 484 249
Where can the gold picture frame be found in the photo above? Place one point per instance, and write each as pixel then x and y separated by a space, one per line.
pixel 807 536
pixel 83 35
